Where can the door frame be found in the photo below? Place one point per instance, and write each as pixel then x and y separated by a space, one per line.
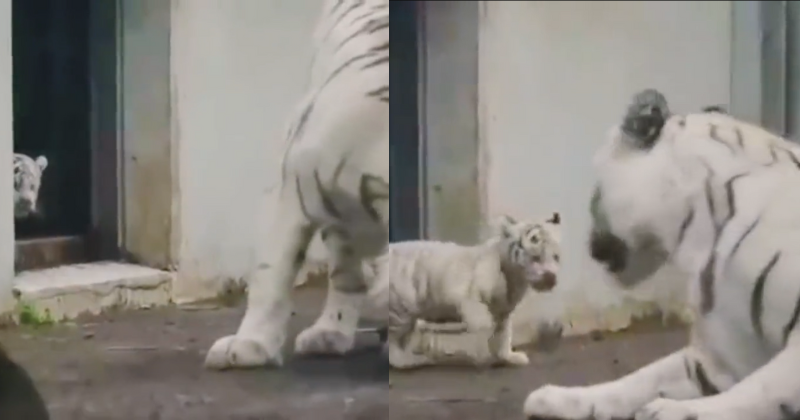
pixel 103 239
pixel 405 141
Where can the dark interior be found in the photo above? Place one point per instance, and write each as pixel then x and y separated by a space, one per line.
pixel 52 110
pixel 404 148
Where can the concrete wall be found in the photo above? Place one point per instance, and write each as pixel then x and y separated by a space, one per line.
pixel 553 77
pixel 238 70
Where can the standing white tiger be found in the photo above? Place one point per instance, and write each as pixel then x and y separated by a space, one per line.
pixel 474 288
pixel 335 175
pixel 721 199
pixel 27 181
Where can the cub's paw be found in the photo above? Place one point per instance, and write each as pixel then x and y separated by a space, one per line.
pixel 321 341
pixel 233 352
pixel 552 402
pixel 515 358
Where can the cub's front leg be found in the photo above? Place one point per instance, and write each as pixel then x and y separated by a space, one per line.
pixel 500 346
pixel 480 324
pixel 670 377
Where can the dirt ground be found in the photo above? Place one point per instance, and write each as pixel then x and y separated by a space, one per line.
pixel 148 365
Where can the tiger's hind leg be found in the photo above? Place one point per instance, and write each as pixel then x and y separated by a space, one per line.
pixel 262 333
pixel 335 329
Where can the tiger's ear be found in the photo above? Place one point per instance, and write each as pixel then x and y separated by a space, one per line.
pixel 646 116
pixel 502 225
pixel 555 219
pixel 41 161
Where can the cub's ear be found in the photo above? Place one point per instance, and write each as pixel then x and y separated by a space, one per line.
pixel 555 219
pixel 42 162
pixel 646 116
pixel 502 225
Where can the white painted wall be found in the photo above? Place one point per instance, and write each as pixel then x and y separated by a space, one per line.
pixel 553 77
pixel 6 152
pixel 238 70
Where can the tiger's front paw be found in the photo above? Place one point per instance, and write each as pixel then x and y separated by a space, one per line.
pixel 552 402
pixel 665 409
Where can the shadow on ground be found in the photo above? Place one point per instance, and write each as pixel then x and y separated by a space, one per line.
pixel 148 365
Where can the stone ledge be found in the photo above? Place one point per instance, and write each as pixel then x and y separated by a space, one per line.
pixel 68 291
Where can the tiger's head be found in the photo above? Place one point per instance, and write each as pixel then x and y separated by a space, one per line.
pixel 531 249
pixel 652 167
pixel 27 181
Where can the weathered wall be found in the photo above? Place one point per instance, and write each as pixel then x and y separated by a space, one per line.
pixel 238 70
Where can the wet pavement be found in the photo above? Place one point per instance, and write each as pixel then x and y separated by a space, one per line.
pixel 148 365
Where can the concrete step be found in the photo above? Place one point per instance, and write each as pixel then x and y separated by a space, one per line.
pixel 66 292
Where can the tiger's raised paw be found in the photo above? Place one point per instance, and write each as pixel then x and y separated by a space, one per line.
pixel 321 341
pixel 552 402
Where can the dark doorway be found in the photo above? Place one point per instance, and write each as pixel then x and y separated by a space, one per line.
pixel 52 117
pixel 404 149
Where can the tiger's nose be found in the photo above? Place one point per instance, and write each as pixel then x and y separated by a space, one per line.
pixel 546 283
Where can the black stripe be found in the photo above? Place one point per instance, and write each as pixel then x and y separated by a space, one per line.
pixel 787 412
pixel 687 367
pixel 335 7
pixel 792 157
pixel 739 137
pixel 302 200
pixel 296 132
pixel 707 388
pixel 337 172
pixel 375 63
pixel 370 27
pixel 353 6
pixel 712 133
pixel 712 208
pixel 382 92
pixel 352 60
pixel 368 197
pixel 743 237
pixel 788 328
pixel 707 284
pixel 707 276
pixel 757 299
pixel 327 203
pixel 687 221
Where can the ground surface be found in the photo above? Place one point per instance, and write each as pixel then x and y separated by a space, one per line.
pixel 148 365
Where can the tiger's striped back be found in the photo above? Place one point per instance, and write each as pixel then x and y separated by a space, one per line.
pixel 739 139
pixel 352 38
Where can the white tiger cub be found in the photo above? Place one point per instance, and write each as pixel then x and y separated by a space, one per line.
pixel 27 181
pixel 721 199
pixel 473 289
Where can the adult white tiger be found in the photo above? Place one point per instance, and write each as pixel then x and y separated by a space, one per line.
pixel 719 197
pixel 27 181
pixel 335 175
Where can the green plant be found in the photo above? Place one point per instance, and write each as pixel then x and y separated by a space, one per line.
pixel 29 316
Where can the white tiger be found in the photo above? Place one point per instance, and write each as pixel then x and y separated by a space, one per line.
pixel 462 289
pixel 721 199
pixel 27 181
pixel 335 175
